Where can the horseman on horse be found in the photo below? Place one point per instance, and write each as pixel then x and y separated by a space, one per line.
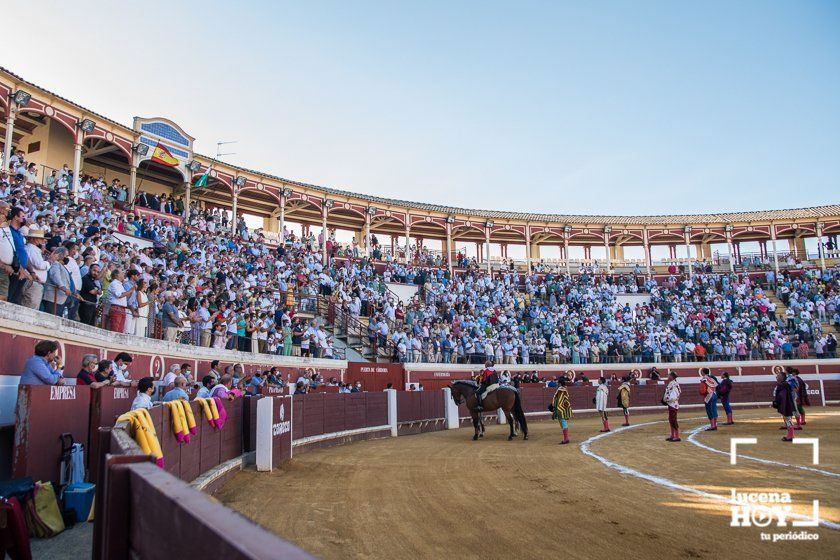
pixel 486 378
pixel 505 397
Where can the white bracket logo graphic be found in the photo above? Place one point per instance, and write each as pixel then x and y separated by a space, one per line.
pixel 760 514
pixel 733 447
pixel 815 442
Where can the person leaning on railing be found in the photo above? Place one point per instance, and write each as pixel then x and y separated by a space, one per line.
pixel 43 368
pixel 59 286
pixel 171 320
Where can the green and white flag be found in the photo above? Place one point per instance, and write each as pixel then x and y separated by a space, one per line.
pixel 202 181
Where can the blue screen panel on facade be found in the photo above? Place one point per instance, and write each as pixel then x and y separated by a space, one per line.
pixel 165 131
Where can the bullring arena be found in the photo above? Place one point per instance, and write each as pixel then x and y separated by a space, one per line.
pixel 440 494
pixel 266 367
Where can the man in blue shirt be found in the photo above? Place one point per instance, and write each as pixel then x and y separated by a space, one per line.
pixel 207 383
pixel 255 384
pixel 18 278
pixel 178 391
pixel 40 368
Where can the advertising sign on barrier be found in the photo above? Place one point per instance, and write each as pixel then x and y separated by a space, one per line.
pixel 375 377
pixel 274 431
pixel 37 447
pixel 281 429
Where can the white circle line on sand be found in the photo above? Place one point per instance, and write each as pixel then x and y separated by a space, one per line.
pixel 665 482
pixel 692 437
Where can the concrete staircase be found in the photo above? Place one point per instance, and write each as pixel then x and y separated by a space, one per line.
pixel 781 308
pixel 351 354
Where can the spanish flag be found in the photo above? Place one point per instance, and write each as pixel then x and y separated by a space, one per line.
pixel 162 156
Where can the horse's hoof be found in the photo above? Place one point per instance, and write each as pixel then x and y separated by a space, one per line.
pixel 475 438
pixel 526 437
pixel 510 438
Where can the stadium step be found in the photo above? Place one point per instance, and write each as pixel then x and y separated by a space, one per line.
pixel 781 308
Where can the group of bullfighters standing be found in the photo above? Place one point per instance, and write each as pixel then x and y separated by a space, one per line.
pixel 790 396
pixel 561 406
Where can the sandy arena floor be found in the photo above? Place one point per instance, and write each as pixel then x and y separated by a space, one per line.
pixel 441 495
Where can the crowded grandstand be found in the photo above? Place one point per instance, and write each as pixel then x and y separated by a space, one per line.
pixel 153 296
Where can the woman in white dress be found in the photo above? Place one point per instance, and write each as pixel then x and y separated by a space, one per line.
pixel 142 322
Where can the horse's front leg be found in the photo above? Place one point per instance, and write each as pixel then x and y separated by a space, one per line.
pixel 511 422
pixel 476 423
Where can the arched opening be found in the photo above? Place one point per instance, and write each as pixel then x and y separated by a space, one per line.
pixel 44 141
pixel 101 158
pixel 156 184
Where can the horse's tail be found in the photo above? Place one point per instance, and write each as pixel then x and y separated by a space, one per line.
pixel 520 414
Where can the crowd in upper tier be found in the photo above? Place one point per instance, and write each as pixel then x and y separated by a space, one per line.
pixel 557 318
pixel 213 283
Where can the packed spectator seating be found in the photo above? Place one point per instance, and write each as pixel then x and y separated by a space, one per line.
pixel 558 318
pixel 104 266
pixel 207 281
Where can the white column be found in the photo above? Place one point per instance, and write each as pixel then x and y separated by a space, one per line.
pixel 528 248
pixel 451 414
pixel 487 245
pixel 407 240
pixel 187 197
pixel 448 249
pixel 265 435
pixel 10 129
pixel 132 185
pixel 324 236
pixel 775 254
pixel 392 410
pixel 729 248
pixel 367 234
pixel 688 254
pixel 233 210
pixel 77 165
pixel 820 246
pixel 282 218
pixel 607 247
pixel 566 252
pixel 647 251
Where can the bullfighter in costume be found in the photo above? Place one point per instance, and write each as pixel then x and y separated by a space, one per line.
pixel 794 381
pixel 724 390
pixel 602 393
pixel 672 401
pixel 783 403
pixel 561 408
pixel 802 398
pixel 624 399
pixel 708 389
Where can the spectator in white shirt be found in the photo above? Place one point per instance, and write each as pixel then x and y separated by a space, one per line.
pixel 33 291
pixel 170 377
pixel 145 389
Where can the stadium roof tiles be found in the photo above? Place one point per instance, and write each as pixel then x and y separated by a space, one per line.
pixel 831 210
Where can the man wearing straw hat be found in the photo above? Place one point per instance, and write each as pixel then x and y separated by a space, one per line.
pixel 33 291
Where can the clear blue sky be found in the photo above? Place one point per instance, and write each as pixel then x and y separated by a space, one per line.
pixel 586 107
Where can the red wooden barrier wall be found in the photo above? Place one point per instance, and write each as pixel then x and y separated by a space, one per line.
pixel 43 413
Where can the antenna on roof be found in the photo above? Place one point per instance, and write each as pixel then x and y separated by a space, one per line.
pixel 219 149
